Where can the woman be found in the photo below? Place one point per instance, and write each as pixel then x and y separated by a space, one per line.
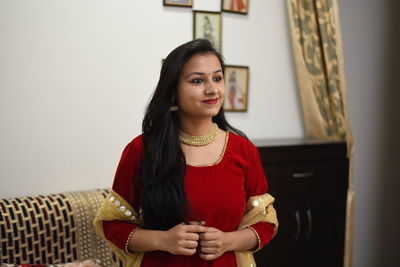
pixel 180 191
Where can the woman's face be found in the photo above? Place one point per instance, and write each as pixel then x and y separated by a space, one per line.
pixel 201 87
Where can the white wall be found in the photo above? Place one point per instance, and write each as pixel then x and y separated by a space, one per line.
pixel 371 51
pixel 75 77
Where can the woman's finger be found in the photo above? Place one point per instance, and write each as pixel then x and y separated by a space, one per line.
pixel 208 250
pixel 207 257
pixel 210 244
pixel 192 236
pixel 187 251
pixel 195 228
pixel 197 222
pixel 209 235
pixel 190 244
pixel 212 229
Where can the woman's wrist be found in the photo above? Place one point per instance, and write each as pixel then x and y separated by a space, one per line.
pixel 241 240
pixel 258 246
pixel 230 240
pixel 129 241
pixel 161 241
pixel 147 240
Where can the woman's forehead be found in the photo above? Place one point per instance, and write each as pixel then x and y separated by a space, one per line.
pixel 205 63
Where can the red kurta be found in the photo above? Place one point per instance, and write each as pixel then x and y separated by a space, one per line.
pixel 217 194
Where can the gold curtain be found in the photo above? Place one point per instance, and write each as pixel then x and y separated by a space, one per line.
pixel 317 48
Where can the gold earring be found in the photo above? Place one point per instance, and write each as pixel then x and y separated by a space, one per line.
pixel 173 108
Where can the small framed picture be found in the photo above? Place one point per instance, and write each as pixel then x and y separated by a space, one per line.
pixel 237 88
pixel 182 3
pixel 208 25
pixel 235 6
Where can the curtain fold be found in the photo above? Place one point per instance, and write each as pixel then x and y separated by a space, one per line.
pixel 317 49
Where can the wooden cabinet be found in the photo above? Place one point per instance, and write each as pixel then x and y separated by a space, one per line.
pixel 309 181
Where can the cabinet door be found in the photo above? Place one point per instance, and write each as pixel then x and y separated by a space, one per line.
pixel 311 231
pixel 323 235
pixel 285 249
pixel 267 255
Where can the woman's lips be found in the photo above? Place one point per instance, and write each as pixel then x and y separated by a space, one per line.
pixel 211 101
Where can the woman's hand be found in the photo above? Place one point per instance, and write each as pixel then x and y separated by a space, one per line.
pixel 213 243
pixel 182 239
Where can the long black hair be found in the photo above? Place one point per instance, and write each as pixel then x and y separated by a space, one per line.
pixel 163 167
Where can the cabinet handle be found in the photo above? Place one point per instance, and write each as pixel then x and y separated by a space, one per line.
pixel 298 175
pixel 309 218
pixel 298 226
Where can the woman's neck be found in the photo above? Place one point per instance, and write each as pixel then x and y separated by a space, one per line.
pixel 196 127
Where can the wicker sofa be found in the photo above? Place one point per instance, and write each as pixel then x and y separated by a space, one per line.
pixel 53 229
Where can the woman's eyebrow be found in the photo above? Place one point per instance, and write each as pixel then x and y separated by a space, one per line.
pixel 201 73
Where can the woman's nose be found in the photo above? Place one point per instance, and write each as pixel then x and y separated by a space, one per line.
pixel 211 87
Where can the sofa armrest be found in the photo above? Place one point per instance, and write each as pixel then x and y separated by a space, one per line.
pixel 53 229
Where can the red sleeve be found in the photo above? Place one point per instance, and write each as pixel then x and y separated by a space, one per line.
pixel 118 231
pixel 256 184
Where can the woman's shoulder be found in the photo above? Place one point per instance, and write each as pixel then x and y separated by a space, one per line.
pixel 241 143
pixel 138 140
pixel 135 145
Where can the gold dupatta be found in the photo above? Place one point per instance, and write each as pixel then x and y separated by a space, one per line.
pixel 114 207
pixel 258 209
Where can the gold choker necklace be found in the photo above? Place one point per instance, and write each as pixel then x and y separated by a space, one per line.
pixel 202 140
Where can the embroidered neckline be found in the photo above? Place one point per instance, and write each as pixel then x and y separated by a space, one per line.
pixel 221 155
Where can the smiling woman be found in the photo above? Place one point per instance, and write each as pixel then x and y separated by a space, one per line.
pixel 190 190
pixel 201 90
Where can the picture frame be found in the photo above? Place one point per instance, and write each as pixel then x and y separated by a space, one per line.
pixel 208 25
pixel 235 6
pixel 237 88
pixel 178 3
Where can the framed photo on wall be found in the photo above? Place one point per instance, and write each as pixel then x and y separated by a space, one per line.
pixel 208 25
pixel 182 3
pixel 235 6
pixel 237 88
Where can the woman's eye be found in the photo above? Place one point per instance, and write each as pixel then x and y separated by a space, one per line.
pixel 218 79
pixel 197 80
